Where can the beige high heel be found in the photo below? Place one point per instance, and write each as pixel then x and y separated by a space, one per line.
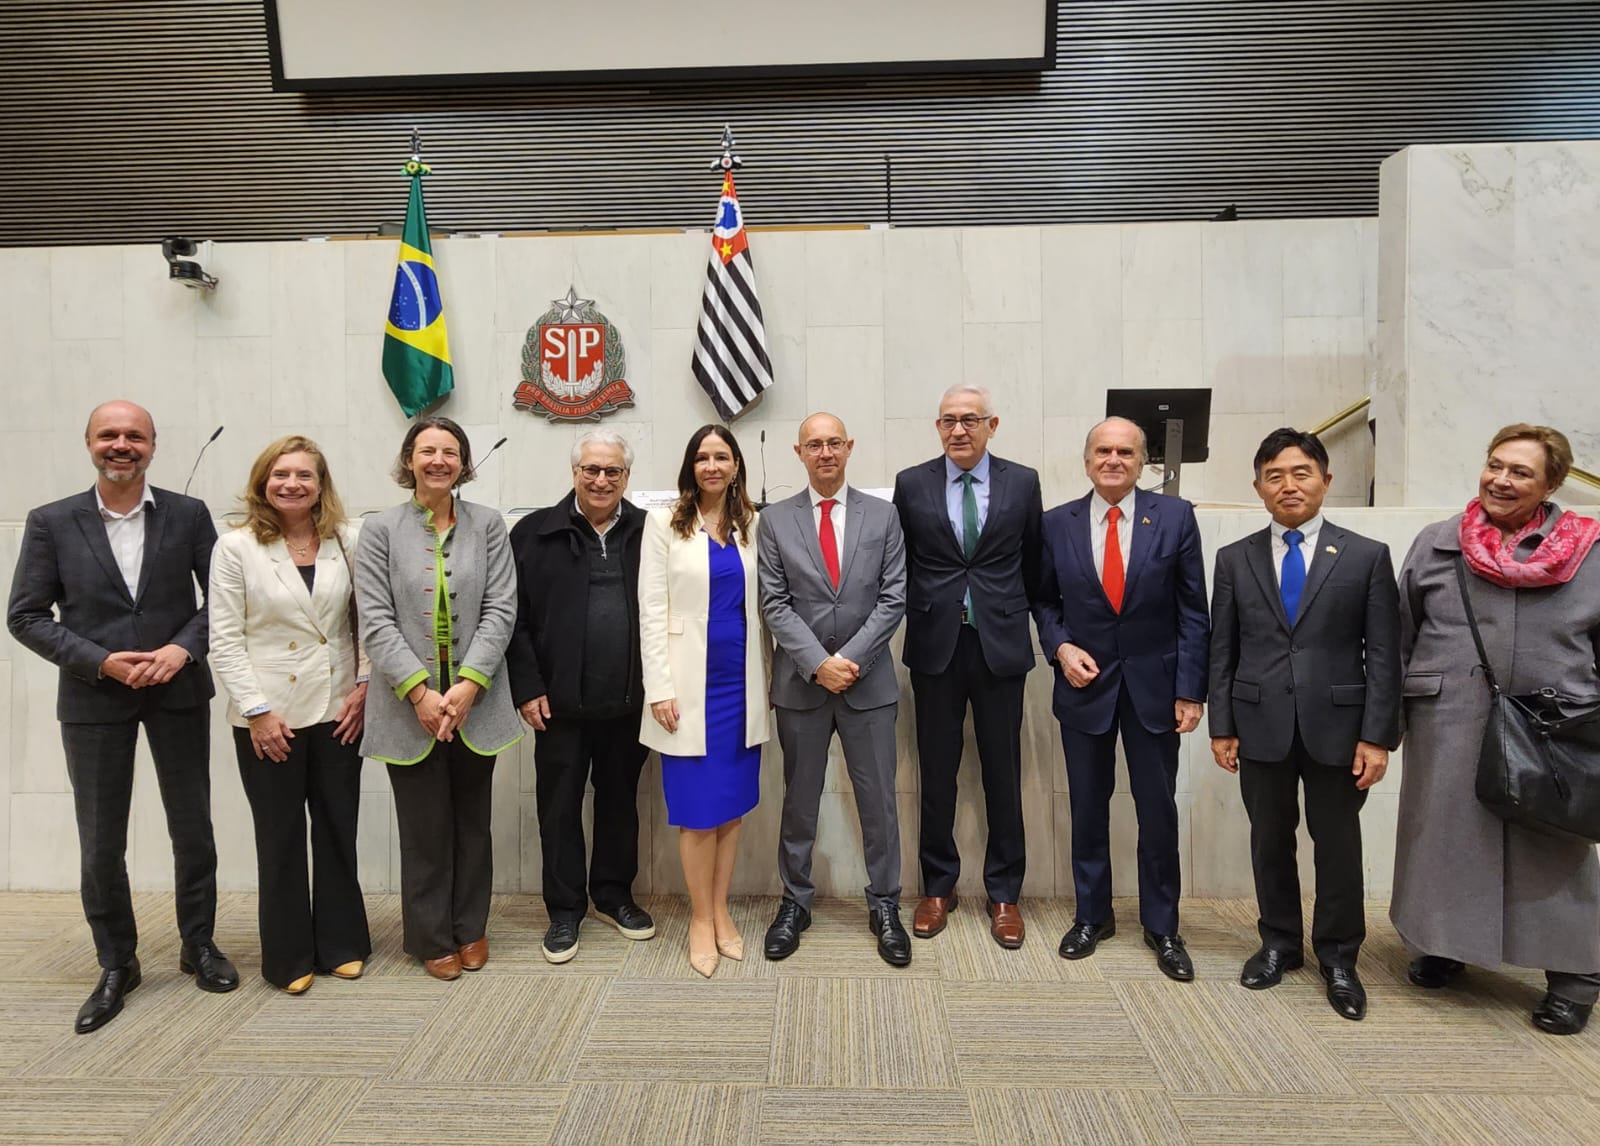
pixel 300 986
pixel 702 960
pixel 732 948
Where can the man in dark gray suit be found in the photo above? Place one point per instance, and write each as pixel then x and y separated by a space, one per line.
pixel 119 563
pixel 833 591
pixel 1305 689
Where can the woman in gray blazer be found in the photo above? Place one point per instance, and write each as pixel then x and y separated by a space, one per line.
pixel 436 588
pixel 1470 888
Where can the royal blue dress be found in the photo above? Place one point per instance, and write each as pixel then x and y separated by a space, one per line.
pixel 707 791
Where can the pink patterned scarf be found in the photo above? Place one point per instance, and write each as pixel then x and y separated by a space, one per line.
pixel 1553 561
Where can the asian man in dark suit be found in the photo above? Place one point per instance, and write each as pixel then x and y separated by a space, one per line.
pixel 1122 612
pixel 120 563
pixel 971 524
pixel 1305 690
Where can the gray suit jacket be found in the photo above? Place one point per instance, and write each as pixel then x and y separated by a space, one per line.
pixel 1334 673
pixel 811 620
pixel 395 579
pixel 66 562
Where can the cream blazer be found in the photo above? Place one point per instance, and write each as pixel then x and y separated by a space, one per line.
pixel 272 642
pixel 674 602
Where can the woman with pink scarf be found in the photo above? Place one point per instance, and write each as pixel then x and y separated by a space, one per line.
pixel 1470 888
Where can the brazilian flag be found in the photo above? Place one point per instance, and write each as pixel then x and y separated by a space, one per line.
pixel 416 349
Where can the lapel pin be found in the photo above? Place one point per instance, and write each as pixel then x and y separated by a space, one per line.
pixel 1332 549
pixel 1144 521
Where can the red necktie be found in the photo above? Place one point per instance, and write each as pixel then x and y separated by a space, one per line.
pixel 1112 573
pixel 830 544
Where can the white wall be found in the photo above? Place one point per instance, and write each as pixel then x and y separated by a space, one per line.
pixel 1278 318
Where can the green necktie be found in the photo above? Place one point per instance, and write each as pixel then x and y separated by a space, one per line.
pixel 969 517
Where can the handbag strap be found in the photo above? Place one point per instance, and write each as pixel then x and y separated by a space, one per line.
pixel 1472 623
pixel 350 571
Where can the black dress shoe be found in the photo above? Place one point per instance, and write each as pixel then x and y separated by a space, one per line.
pixel 1434 971
pixel 1557 1016
pixel 783 937
pixel 894 945
pixel 105 1001
pixel 209 966
pixel 1346 995
pixel 1082 938
pixel 1171 955
pixel 1266 967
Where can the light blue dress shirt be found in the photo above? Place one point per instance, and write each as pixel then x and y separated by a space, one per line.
pixel 952 493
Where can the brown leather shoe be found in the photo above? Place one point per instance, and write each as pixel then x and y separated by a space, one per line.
pixel 445 967
pixel 932 914
pixel 475 954
pixel 1005 924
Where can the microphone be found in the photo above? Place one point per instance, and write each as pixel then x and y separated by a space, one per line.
pixel 762 504
pixel 489 455
pixel 215 434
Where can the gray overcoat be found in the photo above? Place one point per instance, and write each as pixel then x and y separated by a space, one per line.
pixel 396 574
pixel 1467 885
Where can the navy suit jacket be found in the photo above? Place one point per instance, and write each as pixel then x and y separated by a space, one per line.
pixel 1157 644
pixel 1003 572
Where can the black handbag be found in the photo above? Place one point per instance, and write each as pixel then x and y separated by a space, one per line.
pixel 1539 765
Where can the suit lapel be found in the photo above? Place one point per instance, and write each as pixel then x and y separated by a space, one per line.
pixel 155 523
pixel 289 577
pixel 1330 542
pixel 853 518
pixel 999 486
pixel 1141 536
pixel 1258 555
pixel 1080 538
pixel 93 528
pixel 937 480
pixel 811 537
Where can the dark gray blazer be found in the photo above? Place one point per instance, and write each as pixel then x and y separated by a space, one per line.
pixel 66 563
pixel 1334 673
pixel 811 620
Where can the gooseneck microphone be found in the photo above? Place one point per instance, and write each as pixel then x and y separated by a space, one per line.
pixel 215 434
pixel 762 504
pixel 488 455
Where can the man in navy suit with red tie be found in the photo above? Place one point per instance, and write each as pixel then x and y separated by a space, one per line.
pixel 1122 612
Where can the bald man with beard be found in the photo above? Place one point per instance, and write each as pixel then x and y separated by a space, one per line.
pixel 119 563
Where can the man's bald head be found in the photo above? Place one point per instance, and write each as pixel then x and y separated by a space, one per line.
pixel 821 425
pixel 824 448
pixel 121 437
pixel 120 408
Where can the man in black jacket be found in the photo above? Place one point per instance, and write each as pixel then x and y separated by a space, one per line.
pixel 1305 690
pixel 576 679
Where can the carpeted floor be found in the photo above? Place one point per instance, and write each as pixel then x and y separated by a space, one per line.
pixel 627 1044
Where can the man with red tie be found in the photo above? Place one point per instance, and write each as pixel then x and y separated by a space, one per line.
pixel 1122 612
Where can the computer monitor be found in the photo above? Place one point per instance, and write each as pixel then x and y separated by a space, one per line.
pixel 1150 410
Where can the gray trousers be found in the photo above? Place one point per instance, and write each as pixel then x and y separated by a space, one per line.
pixel 867 737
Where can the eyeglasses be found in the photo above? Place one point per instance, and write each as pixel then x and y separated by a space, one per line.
pixel 832 445
pixel 594 473
pixel 968 422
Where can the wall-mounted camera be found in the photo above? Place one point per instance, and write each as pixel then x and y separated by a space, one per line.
pixel 183 267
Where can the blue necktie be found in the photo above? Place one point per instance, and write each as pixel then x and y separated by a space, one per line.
pixel 1293 581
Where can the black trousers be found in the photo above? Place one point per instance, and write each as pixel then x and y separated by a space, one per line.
pixel 1271 791
pixel 567 756
pixel 441 806
pixel 310 923
pixel 1091 760
pixel 996 701
pixel 100 765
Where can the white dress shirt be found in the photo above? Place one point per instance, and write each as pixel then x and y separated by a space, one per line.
pixel 125 532
pixel 1308 545
pixel 1099 508
pixel 835 516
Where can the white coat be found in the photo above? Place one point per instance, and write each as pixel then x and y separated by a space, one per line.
pixel 674 604
pixel 274 643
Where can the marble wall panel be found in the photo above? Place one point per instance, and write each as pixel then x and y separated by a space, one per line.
pixel 39 764
pixel 6 670
pixel 307 328
pixel 159 319
pixel 44 842
pixel 922 316
pixel 1242 332
pixel 1000 280
pixel 25 316
pixel 241 306
pixel 1160 354
pixel 1161 272
pixel 466 269
pixel 1324 267
pixel 1081 317
pixel 1007 358
pixel 844 376
pixel 1462 215
pixel 86 292
pixel 677 277
pixel 843 276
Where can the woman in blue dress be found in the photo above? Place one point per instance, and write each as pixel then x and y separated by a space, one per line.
pixel 705 676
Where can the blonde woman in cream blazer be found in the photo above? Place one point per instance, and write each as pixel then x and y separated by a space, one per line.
pixel 704 654
pixel 283 646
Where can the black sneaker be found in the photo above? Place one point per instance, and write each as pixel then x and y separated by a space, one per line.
pixel 561 940
pixel 630 919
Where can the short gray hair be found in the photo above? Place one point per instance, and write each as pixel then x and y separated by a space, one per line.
pixel 1144 444
pixel 985 399
pixel 602 438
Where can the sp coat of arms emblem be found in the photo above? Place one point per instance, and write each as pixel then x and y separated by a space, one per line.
pixel 573 364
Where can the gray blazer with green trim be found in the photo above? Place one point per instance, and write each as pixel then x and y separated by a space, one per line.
pixel 396 578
